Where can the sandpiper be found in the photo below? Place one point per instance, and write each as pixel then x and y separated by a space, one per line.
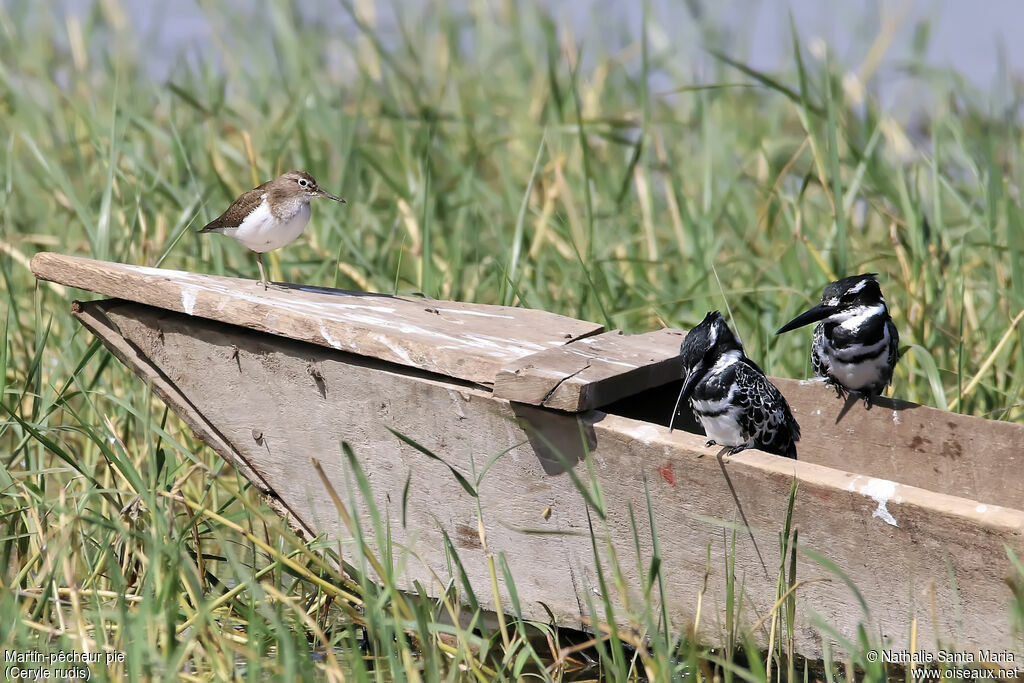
pixel 271 215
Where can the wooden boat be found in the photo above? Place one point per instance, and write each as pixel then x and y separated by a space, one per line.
pixel 915 508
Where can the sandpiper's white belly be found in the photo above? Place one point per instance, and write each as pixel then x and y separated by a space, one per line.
pixel 262 232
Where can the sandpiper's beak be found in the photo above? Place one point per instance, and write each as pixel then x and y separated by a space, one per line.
pixel 328 195
pixel 819 312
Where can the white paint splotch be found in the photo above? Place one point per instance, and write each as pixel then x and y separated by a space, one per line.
pixel 882 491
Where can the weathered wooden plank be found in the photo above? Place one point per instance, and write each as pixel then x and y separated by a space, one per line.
pixel 594 371
pixel 896 440
pixel 932 449
pixel 465 341
pixel 93 317
pixel 903 547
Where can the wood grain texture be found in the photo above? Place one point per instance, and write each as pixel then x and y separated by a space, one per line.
pixel 470 342
pixel 895 440
pixel 594 371
pixel 933 449
pixel 901 546
pixel 93 316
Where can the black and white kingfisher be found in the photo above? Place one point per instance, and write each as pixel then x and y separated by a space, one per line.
pixel 856 344
pixel 730 395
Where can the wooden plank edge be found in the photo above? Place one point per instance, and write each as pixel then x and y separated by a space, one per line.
pixel 170 292
pixel 579 394
pixel 681 444
pixel 533 381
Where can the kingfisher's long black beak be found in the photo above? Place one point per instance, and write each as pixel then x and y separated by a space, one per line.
pixel 686 392
pixel 819 312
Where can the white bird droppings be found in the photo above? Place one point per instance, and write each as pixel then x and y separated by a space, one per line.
pixel 883 492
pixel 598 356
pixel 457 400
pixel 327 336
pixel 393 347
pixel 188 299
pixel 982 508
pixel 643 433
pixel 458 311
pixel 895 418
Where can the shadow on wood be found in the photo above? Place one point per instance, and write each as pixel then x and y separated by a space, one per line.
pixel 560 440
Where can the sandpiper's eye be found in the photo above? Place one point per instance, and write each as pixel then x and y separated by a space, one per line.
pixel 302 182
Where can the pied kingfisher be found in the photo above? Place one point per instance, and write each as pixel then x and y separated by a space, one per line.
pixel 734 401
pixel 855 345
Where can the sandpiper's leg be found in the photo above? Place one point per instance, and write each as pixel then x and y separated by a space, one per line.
pixel 263 277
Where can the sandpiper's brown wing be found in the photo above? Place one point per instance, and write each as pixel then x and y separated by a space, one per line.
pixel 239 209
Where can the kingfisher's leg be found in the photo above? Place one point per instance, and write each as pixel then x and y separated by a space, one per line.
pixel 263 277
pixel 840 391
pixel 709 443
pixel 742 447
pixel 724 452
pixel 868 397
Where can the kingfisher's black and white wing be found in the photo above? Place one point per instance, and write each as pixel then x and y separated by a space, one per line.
pixel 819 361
pixel 764 415
pixel 894 347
